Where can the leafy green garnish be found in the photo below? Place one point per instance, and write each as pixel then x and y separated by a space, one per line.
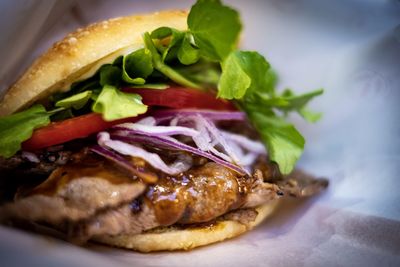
pixel 299 102
pixel 203 72
pixel 175 38
pixel 246 76
pixel 215 28
pixel 309 115
pixel 163 68
pixel 114 104
pixel 188 54
pixel 234 80
pixel 109 74
pixel 155 86
pixel 62 115
pixel 137 66
pixel 76 101
pixel 285 144
pixel 18 127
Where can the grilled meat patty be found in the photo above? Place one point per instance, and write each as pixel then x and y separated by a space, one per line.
pixel 90 196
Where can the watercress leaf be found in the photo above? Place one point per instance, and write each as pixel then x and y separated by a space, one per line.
pixel 18 127
pixel 175 37
pixel 208 77
pixel 297 102
pixel 78 87
pixel 204 72
pixel 257 68
pixel 171 54
pixel 309 115
pixel 62 115
pixel 155 86
pixel 255 107
pixel 234 80
pixel 163 68
pixel 285 144
pixel 187 53
pixel 245 73
pixel 114 104
pixel 137 66
pixel 215 28
pixel 173 46
pixel 118 62
pixel 161 33
pixel 267 100
pixel 76 101
pixel 247 76
pixel 271 80
pixel 110 74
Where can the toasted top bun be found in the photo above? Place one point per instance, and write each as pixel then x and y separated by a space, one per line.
pixel 176 238
pixel 81 53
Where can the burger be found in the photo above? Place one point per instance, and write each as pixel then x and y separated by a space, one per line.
pixel 151 132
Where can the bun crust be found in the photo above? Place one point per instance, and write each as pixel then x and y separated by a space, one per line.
pixel 67 60
pixel 175 238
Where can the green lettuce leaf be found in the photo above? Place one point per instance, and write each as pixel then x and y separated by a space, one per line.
pixel 215 28
pixel 114 104
pixel 18 127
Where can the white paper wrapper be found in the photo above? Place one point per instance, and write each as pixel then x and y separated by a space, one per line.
pixel 350 48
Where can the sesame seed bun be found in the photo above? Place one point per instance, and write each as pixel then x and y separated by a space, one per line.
pixel 81 53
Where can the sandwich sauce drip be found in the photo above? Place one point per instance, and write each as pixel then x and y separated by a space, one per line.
pixel 198 195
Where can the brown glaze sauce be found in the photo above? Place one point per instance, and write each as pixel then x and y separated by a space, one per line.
pixel 199 195
pixel 88 166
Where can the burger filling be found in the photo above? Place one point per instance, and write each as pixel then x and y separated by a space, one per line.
pixel 124 184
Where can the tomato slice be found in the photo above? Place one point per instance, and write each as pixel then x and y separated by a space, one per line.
pixel 78 127
pixel 180 97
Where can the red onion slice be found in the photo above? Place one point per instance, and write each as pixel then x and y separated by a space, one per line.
pixel 125 164
pixel 244 142
pixel 180 165
pixel 170 142
pixel 225 148
pixel 157 130
pixel 168 114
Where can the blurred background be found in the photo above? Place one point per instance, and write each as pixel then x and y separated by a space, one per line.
pixel 351 48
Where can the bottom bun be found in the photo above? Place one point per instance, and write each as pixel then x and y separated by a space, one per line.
pixel 185 238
